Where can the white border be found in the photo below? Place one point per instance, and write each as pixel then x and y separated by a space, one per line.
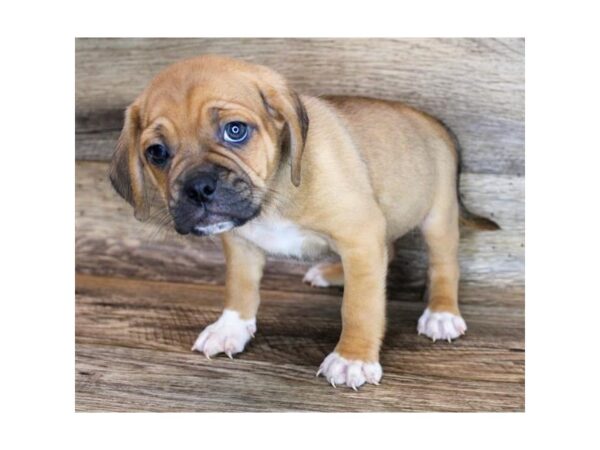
pixel 562 214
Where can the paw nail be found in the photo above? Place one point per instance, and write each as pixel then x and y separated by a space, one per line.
pixel 229 354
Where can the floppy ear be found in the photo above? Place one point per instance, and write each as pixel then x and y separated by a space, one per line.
pixel 126 171
pixel 287 104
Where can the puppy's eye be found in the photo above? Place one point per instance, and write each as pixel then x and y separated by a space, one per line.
pixel 158 155
pixel 235 132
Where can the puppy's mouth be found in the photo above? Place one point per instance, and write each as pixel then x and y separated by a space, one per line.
pixel 210 203
pixel 215 228
pixel 202 221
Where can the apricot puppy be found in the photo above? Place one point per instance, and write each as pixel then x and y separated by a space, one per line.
pixel 233 150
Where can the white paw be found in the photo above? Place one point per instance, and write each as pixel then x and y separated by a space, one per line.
pixel 228 335
pixel 316 276
pixel 352 373
pixel 441 325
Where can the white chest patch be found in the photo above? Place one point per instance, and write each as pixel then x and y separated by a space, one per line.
pixel 278 236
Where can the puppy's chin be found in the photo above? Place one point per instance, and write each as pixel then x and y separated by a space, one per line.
pixel 205 223
pixel 218 224
pixel 215 228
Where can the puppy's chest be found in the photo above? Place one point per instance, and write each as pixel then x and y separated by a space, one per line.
pixel 278 236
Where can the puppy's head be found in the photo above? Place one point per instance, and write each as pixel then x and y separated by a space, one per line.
pixel 210 134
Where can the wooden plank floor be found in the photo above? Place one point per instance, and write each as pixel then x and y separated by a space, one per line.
pixel 133 341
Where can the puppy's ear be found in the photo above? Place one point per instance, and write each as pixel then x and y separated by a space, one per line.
pixel 288 105
pixel 126 170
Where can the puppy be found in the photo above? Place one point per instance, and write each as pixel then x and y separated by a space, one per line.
pixel 233 150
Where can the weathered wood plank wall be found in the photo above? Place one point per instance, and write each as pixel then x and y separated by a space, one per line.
pixel 474 85
pixel 111 242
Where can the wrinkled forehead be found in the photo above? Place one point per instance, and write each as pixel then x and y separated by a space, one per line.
pixel 183 96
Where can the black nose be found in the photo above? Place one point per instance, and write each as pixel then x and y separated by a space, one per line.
pixel 201 188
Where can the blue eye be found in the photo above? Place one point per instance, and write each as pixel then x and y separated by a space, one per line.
pixel 235 132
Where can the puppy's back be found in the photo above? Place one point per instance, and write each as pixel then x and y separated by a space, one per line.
pixel 410 155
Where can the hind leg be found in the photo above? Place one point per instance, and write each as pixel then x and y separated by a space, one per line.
pixel 442 319
pixel 325 274
pixel 331 273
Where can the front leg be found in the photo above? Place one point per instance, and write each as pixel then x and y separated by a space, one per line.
pixel 355 359
pixel 237 324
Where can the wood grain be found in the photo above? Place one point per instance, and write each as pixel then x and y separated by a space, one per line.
pixel 109 241
pixel 133 339
pixel 475 85
pixel 143 292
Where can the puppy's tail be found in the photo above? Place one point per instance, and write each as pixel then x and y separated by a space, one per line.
pixel 467 218
pixel 471 220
